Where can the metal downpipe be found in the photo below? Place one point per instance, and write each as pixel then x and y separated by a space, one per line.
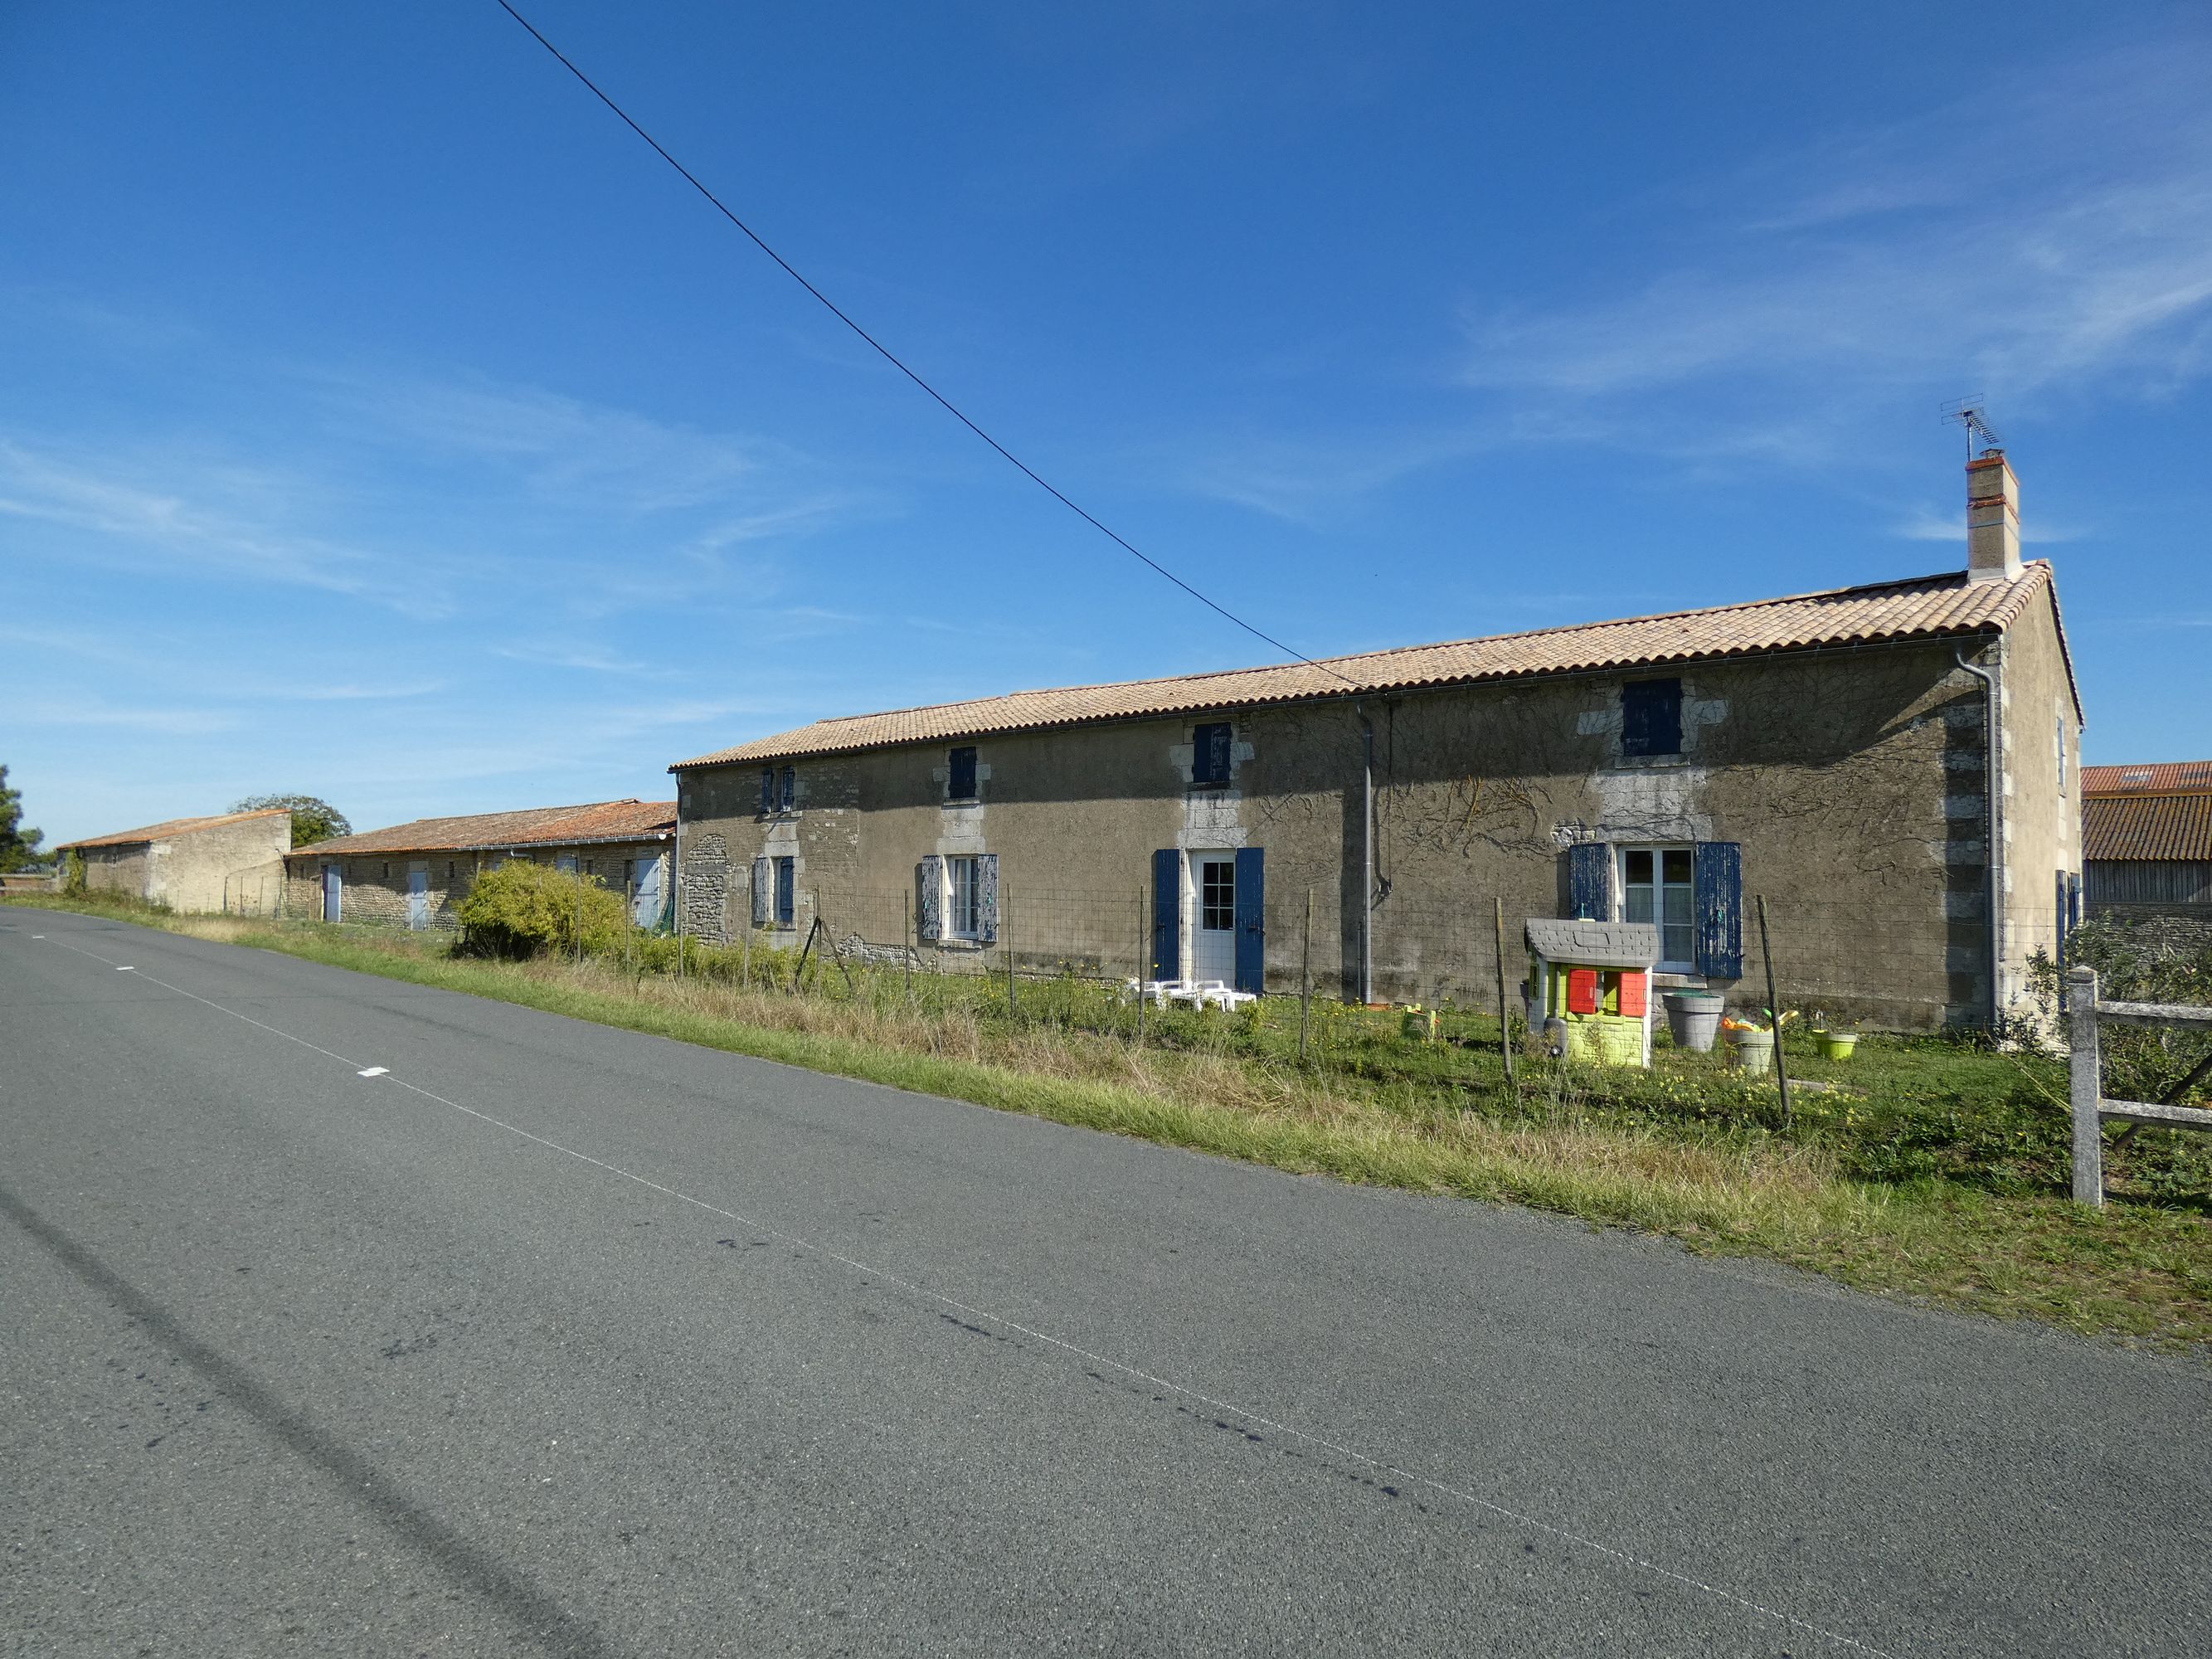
pixel 1366 860
pixel 1993 860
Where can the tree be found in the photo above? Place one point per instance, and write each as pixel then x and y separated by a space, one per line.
pixel 18 846
pixel 312 820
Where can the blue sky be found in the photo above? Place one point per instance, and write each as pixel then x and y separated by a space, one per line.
pixel 378 419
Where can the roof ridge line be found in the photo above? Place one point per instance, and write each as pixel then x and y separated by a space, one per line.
pixel 2040 567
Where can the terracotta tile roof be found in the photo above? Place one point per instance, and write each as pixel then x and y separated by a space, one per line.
pixel 171 828
pixel 2155 778
pixel 2134 827
pixel 1927 607
pixel 533 826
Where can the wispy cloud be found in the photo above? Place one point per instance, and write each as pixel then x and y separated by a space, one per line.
pixel 1305 481
pixel 168 721
pixel 1927 524
pixel 167 508
pixel 585 658
pixel 564 448
pixel 2070 246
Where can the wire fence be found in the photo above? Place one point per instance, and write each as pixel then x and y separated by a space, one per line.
pixel 1898 963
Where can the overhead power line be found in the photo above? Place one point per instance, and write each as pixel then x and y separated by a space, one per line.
pixel 899 363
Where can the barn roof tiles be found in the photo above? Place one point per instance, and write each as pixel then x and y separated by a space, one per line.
pixel 534 826
pixel 2176 828
pixel 2156 778
pixel 1928 607
pixel 169 829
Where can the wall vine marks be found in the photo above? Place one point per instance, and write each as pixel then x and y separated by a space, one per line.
pixel 1505 815
pixel 1875 795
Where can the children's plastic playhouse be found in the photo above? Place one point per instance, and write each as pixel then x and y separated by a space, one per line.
pixel 1594 979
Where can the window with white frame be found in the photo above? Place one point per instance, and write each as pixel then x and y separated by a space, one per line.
pixel 965 919
pixel 1658 885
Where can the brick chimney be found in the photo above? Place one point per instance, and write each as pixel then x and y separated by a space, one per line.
pixel 1993 519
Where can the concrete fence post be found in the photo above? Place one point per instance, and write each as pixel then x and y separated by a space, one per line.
pixel 2086 1090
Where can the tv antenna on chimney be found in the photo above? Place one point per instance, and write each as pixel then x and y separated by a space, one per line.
pixel 1970 412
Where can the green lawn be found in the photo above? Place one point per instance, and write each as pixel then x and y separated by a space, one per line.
pixel 1926 1168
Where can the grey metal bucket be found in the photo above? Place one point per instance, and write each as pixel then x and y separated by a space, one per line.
pixel 1694 1017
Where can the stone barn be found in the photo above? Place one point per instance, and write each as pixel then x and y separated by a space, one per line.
pixel 415 875
pixel 230 861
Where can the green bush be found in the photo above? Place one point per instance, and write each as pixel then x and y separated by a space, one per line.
pixel 521 910
pixel 73 874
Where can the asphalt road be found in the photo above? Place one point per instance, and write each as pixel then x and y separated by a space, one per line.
pixel 553 1339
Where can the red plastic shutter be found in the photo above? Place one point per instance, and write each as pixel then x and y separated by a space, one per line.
pixel 1633 989
pixel 1582 990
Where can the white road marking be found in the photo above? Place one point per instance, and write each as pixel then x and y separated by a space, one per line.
pixel 1581 1540
pixel 373 1071
pixel 130 971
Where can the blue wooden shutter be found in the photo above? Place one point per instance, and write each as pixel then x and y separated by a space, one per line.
pixel 1718 875
pixel 1251 919
pixel 1210 752
pixel 763 879
pixel 1590 881
pixel 768 790
pixel 790 787
pixel 1167 914
pixel 1651 717
pixel 929 898
pixel 787 891
pixel 986 897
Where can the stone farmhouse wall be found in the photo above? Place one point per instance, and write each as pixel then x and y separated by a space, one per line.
pixel 1855 782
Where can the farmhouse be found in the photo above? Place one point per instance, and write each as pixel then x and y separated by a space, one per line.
pixel 416 874
pixel 2147 840
pixel 1886 765
pixel 227 862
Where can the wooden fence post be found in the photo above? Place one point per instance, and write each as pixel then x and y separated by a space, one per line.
pixel 1144 962
pixel 2087 1088
pixel 1774 1014
pixel 1305 981
pixel 1505 1022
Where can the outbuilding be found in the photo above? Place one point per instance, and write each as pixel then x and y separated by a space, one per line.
pixel 2147 840
pixel 229 861
pixel 417 874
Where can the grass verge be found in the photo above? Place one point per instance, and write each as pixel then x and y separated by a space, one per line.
pixel 2138 1271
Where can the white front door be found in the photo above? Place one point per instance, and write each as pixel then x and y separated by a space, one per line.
pixel 1213 919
